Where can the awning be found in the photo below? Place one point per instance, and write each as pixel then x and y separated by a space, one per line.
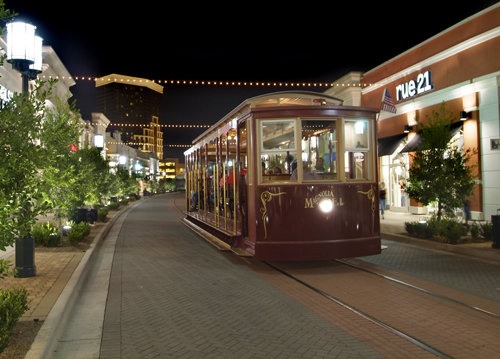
pixel 414 143
pixel 455 127
pixel 387 145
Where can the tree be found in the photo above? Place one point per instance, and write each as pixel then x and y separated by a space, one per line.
pixel 61 131
pixel 439 172
pixel 92 176
pixel 22 154
pixel 125 184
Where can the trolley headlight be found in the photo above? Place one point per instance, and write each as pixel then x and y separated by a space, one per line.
pixel 325 205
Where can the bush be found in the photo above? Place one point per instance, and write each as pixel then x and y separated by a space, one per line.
pixel 475 230
pixel 454 230
pixel 102 214
pixel 448 230
pixel 46 234
pixel 114 205
pixel 78 231
pixel 13 303
pixel 419 229
pixel 486 230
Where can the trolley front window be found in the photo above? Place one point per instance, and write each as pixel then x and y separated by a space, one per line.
pixel 357 147
pixel 319 150
pixel 278 149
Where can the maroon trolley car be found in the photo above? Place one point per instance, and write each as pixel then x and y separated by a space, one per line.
pixel 305 185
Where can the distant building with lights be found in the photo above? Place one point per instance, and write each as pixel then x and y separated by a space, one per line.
pixel 133 106
pixel 151 139
pixel 145 165
pixel 170 168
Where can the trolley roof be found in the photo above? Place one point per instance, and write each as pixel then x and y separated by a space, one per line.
pixel 275 99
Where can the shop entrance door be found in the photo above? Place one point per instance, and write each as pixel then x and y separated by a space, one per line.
pixel 398 173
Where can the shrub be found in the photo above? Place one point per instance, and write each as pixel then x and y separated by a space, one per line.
pixel 114 205
pixel 486 230
pixel 4 268
pixel 419 229
pixel 78 231
pixel 13 303
pixel 46 234
pixel 454 231
pixel 102 214
pixel 474 230
pixel 448 230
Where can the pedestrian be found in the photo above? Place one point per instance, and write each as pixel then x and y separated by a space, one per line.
pixel 382 197
pixel 467 211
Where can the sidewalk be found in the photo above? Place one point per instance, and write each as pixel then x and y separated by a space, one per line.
pixel 393 227
pixel 55 267
pixel 394 222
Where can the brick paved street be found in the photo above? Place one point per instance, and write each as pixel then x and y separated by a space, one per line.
pixel 173 295
pixel 476 277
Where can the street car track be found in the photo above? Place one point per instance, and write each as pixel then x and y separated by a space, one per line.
pixel 423 290
pixel 364 315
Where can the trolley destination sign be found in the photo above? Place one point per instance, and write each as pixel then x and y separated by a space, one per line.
pixel 322 200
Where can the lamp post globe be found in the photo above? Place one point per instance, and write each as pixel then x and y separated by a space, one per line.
pixel 24 50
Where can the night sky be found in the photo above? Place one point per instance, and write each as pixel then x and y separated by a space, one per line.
pixel 237 41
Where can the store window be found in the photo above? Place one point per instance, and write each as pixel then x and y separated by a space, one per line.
pixel 278 149
pixel 319 150
pixel 357 149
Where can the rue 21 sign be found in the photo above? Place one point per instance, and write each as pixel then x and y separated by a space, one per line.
pixel 422 84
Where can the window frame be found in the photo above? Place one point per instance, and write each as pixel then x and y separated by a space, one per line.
pixel 263 151
pixel 368 151
pixel 339 124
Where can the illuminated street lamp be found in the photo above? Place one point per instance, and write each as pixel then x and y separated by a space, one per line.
pixel 122 160
pixel 99 141
pixel 24 52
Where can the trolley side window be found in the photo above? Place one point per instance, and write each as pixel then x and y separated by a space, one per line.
pixel 319 150
pixel 278 149
pixel 357 147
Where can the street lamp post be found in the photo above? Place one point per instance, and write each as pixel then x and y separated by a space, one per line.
pixel 24 52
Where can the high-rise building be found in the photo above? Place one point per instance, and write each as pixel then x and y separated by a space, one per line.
pixel 133 106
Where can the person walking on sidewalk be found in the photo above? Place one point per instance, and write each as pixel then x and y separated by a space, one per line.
pixel 382 194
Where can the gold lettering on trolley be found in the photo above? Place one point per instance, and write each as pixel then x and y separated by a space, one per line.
pixel 370 194
pixel 265 198
pixel 309 203
pixel 312 202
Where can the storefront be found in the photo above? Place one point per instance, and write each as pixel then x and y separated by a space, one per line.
pixel 460 69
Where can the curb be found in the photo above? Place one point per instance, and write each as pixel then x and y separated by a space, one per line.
pixel 489 254
pixel 53 326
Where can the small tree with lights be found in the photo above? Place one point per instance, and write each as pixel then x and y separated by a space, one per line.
pixel 439 172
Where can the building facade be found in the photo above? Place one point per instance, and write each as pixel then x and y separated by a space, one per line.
pixel 133 106
pixel 460 69
pixel 151 139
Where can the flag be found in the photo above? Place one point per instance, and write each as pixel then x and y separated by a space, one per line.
pixel 388 103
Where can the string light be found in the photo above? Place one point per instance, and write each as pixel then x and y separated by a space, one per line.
pixel 211 83
pixel 153 125
pixel 144 144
